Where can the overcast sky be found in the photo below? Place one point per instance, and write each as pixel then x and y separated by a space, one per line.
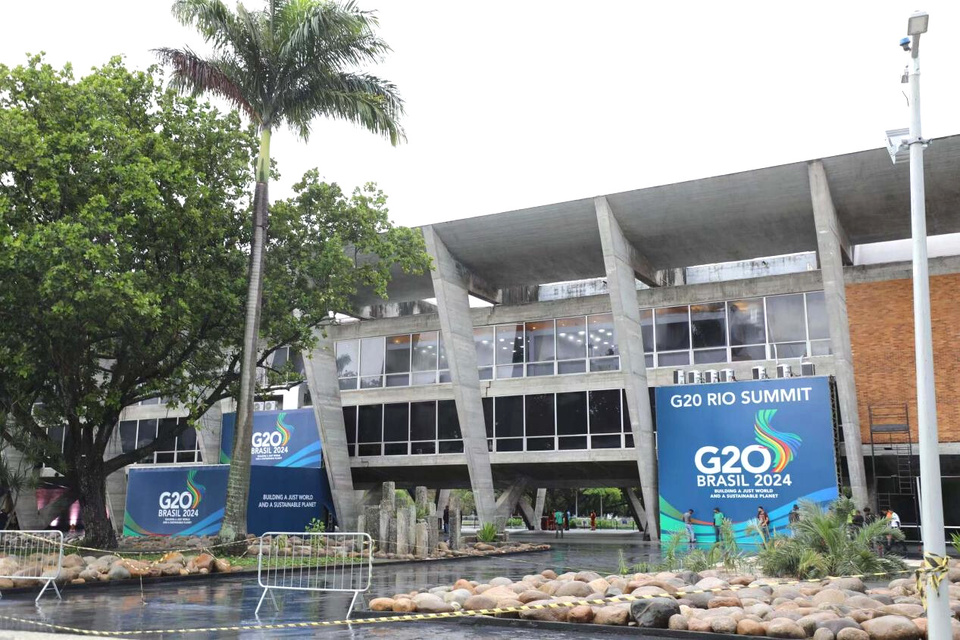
pixel 518 103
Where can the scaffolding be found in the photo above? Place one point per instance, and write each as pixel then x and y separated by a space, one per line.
pixel 892 462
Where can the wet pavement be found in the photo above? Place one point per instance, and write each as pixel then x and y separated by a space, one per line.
pixel 223 602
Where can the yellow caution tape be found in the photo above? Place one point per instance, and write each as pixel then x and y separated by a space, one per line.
pixel 935 569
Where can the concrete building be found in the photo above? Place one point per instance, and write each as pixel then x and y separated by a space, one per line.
pixel 591 303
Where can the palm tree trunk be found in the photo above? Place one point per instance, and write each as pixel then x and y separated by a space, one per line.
pixel 238 482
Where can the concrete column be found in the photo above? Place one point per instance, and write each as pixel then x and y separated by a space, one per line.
pixel 208 435
pixel 443 499
pixel 508 500
pixel 636 508
pixel 454 538
pixel 457 328
pixel 538 508
pixel 832 244
pixel 621 263
pixel 321 370
pixel 527 512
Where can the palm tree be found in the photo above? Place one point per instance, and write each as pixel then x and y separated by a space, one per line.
pixel 286 64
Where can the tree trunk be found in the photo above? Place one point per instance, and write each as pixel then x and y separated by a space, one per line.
pixel 97 527
pixel 238 482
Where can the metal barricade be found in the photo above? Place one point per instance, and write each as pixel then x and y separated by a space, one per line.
pixel 31 556
pixel 340 562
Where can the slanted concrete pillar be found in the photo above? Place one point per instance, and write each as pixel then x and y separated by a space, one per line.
pixel 527 513
pixel 622 263
pixel 450 288
pixel 508 501
pixel 832 246
pixel 321 370
pixel 538 508
pixel 636 508
pixel 454 538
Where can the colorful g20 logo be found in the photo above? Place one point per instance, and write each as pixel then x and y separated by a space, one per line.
pixel 189 499
pixel 279 437
pixel 774 452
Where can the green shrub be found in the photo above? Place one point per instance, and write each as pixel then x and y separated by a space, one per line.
pixel 824 544
pixel 487 533
pixel 315 525
pixel 515 522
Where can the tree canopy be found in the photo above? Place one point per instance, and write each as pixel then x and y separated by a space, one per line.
pixel 123 255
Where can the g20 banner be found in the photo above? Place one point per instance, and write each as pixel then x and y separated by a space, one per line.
pixel 280 439
pixel 175 501
pixel 742 445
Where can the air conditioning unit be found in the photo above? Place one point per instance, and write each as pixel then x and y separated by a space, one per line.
pixel 784 371
pixel 711 376
pixel 759 373
pixel 727 375
pixel 269 405
pixel 694 377
pixel 808 369
pixel 678 377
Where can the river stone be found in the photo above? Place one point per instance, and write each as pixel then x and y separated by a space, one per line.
pixel 723 624
pixel 617 615
pixel 748 627
pixel 697 624
pixel 72 560
pixel 530 596
pixel 723 601
pixel 500 582
pixel 853 584
pixel 382 604
pixel 545 615
pixel 118 572
pixel 836 625
pixel 457 595
pixel 823 634
pixel 891 628
pixel 475 603
pixel 499 593
pixel 654 613
pixel 581 614
pixel 549 574
pixel 810 622
pixel 905 610
pixel 586 576
pixel 783 628
pixel 404 605
pixel 831 596
pixel 851 633
pixel 430 603
pixel 574 588
pixel 864 602
pixel 599 585
pixel 700 600
pixel 712 583
pixel 677 622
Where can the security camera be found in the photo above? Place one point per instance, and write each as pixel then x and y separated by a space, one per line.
pixel 905 43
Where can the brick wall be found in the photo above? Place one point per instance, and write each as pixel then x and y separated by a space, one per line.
pixel 881 333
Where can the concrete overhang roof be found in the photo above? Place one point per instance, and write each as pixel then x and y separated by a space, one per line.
pixel 739 216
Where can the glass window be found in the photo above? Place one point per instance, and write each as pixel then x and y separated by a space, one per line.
pixel 425 351
pixel 605 364
pixel 605 412
pixel 187 441
pixel 448 421
pixel 571 413
pixel 168 443
pixel 817 323
pixel 348 360
pixel 709 356
pixel 746 322
pixel 370 423
pixel 508 417
pixel 280 357
pixel 146 433
pixel 568 443
pixel 672 328
pixel 488 415
pixel 743 354
pixel 789 350
pixel 442 354
pixel 785 318
pixel 646 329
pixel 571 366
pixel 708 323
pixel 602 336
pixel 674 359
pixel 423 447
pixel 509 350
pixel 539 413
pixel 128 435
pixel 540 344
pixel 451 446
pixel 483 340
pixel 398 354
pixel 423 420
pixel 571 338
pixel 396 422
pixel 350 427
pixel 371 356
pixel 820 348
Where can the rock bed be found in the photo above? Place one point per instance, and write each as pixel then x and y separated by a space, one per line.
pixel 840 609
pixel 77 569
pixel 477 549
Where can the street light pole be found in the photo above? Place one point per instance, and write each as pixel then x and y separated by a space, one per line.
pixel 931 508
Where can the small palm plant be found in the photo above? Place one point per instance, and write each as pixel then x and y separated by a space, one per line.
pixel 823 544
pixel 487 533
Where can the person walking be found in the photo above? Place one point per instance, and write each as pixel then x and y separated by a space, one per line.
pixel 566 520
pixel 558 518
pixel 857 521
pixel 717 522
pixel 763 522
pixel 446 520
pixel 593 521
pixel 794 516
pixel 893 521
pixel 688 523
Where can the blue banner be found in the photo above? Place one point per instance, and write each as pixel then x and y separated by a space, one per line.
pixel 742 445
pixel 175 501
pixel 283 499
pixel 280 439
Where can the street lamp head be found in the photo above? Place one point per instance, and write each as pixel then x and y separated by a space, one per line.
pixel 917 23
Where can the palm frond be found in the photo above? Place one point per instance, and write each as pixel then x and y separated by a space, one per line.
pixel 195 74
pixel 212 18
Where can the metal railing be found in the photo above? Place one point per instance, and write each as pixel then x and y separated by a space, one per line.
pixel 338 562
pixel 31 556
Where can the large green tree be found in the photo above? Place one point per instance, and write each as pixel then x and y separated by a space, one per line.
pixel 122 263
pixel 285 64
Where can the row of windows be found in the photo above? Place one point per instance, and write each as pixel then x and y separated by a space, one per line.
pixel 536 422
pixel 771 328
pixel 138 433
